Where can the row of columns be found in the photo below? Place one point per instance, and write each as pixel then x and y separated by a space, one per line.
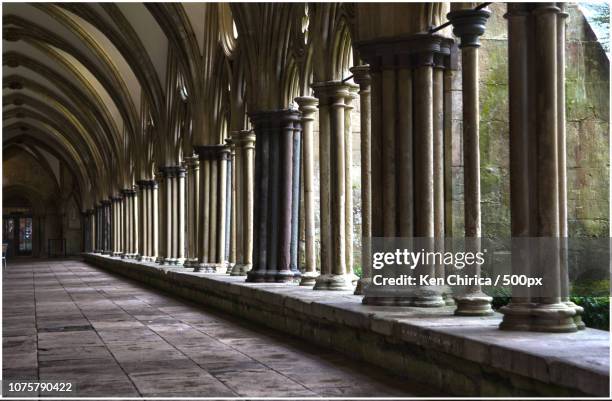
pixel 404 122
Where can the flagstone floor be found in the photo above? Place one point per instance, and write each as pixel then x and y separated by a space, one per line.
pixel 66 321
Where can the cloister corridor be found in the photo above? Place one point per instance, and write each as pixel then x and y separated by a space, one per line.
pixel 306 200
pixel 64 319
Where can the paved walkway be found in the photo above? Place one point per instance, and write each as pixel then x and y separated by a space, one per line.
pixel 68 321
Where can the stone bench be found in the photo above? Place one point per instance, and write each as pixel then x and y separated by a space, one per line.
pixel 460 355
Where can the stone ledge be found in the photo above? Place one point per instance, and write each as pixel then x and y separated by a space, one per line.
pixel 461 355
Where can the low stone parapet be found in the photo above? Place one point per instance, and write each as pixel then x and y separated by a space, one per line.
pixel 466 356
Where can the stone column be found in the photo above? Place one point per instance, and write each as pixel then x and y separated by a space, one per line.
pixel 223 157
pixel 295 201
pixel 308 107
pixel 405 114
pixel 107 226
pixel 142 219
pixel 167 193
pixel 348 177
pixel 275 131
pixel 96 228
pixel 162 243
pixel 361 76
pixel 91 227
pixel 232 220
pixel 245 162
pixel 115 225
pixel 562 152
pixel 154 218
pixel 179 207
pixel 533 75
pixel 469 25
pixel 193 193
pixel 332 160
pixel 204 220
pixel 135 231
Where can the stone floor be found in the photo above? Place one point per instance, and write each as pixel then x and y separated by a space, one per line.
pixel 68 321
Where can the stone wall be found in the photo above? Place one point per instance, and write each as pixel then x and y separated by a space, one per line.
pixel 588 157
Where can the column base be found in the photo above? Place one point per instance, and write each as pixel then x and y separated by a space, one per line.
pixel 549 318
pixel 160 259
pixel 420 297
pixel 240 269
pixel 578 316
pixel 309 279
pixel 362 283
pixel 473 304
pixel 117 254
pixel 230 266
pixel 107 253
pixel 334 282
pixel 256 276
pixel 279 276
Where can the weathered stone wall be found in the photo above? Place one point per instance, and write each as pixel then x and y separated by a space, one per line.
pixel 588 157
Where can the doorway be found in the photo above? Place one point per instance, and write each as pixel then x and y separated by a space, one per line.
pixel 17 234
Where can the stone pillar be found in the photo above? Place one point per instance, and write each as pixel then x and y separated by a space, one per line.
pixel 193 193
pixel 469 25
pixel 96 228
pixel 223 158
pixel 333 194
pixel 348 177
pixel 562 152
pixel 273 204
pixel 244 166
pixel 134 218
pixel 162 220
pixel 295 202
pixel 142 219
pixel 405 114
pixel 361 76
pixel 154 218
pixel 91 230
pixel 308 107
pixel 204 199
pixel 179 220
pixel 107 246
pixel 534 167
pixel 231 219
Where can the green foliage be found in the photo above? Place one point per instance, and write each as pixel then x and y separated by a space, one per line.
pixel 596 311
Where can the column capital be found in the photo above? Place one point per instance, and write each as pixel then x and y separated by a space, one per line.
pixel 269 121
pixel 308 106
pixel 408 51
pixel 361 75
pixel 330 89
pixel 117 198
pixel 469 25
pixel 192 162
pixel 247 139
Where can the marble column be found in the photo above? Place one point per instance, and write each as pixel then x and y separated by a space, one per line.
pixel 534 167
pixel 406 113
pixel 361 76
pixel 308 107
pixel 562 159
pixel 245 163
pixel 179 207
pixel 162 220
pixel 348 177
pixel 134 218
pixel 213 208
pixel 332 97
pixel 107 247
pixel 231 219
pixel 273 202
pixel 91 226
pixel 154 218
pixel 115 225
pixel 192 209
pixel 96 228
pixel 469 25
pixel 142 219
pixel 223 159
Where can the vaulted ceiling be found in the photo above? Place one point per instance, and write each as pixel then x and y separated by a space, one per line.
pixel 84 80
